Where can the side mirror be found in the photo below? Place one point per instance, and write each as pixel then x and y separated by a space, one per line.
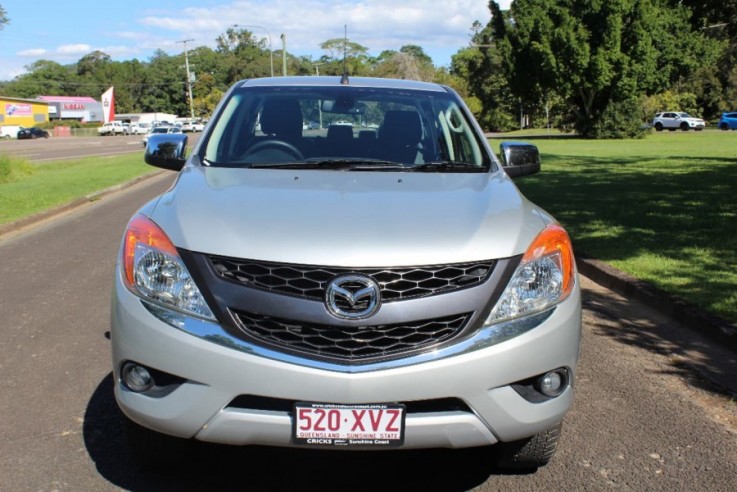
pixel 167 151
pixel 520 159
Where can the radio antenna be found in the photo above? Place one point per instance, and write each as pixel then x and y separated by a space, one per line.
pixel 344 77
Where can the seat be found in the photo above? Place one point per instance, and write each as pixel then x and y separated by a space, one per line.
pixel 399 137
pixel 339 141
pixel 281 121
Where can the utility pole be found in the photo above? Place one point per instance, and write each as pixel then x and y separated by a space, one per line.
pixel 189 76
pixel 284 55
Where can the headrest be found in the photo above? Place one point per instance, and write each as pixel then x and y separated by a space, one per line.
pixel 402 126
pixel 340 132
pixel 281 117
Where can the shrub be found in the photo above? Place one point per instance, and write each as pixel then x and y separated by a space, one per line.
pixel 12 169
pixel 620 119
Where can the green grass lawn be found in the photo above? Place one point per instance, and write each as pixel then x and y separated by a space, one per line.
pixel 663 208
pixel 26 189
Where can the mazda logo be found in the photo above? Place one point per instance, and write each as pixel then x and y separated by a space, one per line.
pixel 352 296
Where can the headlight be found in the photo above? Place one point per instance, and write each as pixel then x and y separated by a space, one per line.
pixel 544 277
pixel 153 270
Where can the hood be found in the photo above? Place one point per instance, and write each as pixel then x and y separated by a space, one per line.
pixel 347 218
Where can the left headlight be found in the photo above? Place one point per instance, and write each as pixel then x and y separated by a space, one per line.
pixel 154 270
pixel 544 277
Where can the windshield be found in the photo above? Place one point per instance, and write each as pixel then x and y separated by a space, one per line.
pixel 356 128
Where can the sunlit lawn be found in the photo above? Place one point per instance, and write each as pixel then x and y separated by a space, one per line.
pixel 663 209
pixel 39 187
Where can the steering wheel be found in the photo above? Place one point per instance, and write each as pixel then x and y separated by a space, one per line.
pixel 279 145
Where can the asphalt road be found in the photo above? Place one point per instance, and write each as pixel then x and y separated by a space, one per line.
pixel 646 416
pixel 56 148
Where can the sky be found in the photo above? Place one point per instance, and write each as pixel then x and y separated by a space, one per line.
pixel 65 30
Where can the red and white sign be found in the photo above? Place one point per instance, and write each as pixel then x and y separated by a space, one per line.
pixel 108 106
pixel 322 424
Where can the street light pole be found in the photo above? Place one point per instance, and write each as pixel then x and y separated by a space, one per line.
pixel 189 77
pixel 271 52
pixel 284 55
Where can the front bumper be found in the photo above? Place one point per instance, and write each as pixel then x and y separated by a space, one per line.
pixel 218 374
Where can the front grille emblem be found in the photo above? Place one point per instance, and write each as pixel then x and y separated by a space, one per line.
pixel 352 297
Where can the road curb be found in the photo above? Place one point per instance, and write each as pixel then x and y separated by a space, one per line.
pixel 41 216
pixel 686 313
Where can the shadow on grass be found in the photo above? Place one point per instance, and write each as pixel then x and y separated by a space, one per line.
pixel 674 227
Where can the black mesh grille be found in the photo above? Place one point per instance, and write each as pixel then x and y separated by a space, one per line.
pixel 309 281
pixel 350 343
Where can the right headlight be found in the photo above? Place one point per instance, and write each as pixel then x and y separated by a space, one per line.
pixel 154 271
pixel 544 277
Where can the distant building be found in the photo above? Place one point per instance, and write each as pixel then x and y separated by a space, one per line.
pixel 16 111
pixel 82 109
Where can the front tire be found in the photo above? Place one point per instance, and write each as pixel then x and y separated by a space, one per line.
pixel 684 127
pixel 659 127
pixel 152 450
pixel 528 454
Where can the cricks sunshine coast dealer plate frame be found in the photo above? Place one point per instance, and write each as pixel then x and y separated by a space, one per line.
pixel 327 424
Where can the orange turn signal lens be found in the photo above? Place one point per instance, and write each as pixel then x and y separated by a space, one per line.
pixel 143 230
pixel 552 241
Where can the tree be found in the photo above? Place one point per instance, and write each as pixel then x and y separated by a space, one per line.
pixel 3 17
pixel 245 56
pixel 485 65
pixel 44 77
pixel 344 55
pixel 600 57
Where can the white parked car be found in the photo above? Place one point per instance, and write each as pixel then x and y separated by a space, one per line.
pixel 10 131
pixel 159 130
pixel 139 128
pixel 112 128
pixel 673 121
pixel 192 126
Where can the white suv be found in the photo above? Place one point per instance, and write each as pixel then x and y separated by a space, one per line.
pixel 673 121
pixel 346 288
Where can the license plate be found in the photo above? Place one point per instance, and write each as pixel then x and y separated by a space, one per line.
pixel 324 424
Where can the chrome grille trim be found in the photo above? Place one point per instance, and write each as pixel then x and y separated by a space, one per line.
pixel 309 281
pixel 350 343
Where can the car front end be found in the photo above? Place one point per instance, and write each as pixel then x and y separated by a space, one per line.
pixel 345 305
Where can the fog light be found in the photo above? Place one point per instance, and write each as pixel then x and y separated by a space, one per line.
pixel 553 383
pixel 136 377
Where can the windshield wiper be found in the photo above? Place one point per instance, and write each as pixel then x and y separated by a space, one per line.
pixel 438 166
pixel 335 164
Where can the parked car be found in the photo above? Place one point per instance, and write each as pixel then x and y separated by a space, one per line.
pixel 138 128
pixel 10 131
pixel 728 121
pixel 112 128
pixel 192 126
pixel 33 133
pixel 160 130
pixel 397 292
pixel 673 121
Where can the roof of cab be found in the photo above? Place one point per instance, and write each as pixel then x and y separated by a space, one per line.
pixel 335 81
